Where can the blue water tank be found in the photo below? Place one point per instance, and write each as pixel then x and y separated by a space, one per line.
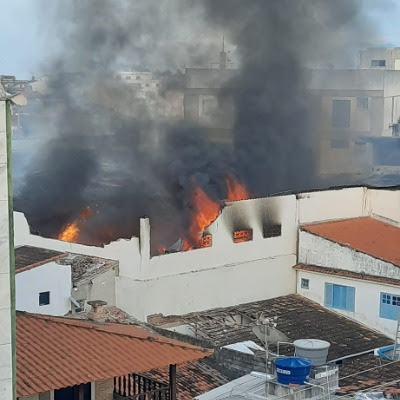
pixel 294 370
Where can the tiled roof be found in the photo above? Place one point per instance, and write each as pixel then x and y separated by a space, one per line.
pixel 28 257
pixel 54 352
pixel 297 318
pixel 347 274
pixel 192 379
pixel 368 372
pixel 367 235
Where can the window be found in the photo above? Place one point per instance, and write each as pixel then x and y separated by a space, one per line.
pixel 209 106
pixel 138 78
pixel 339 144
pixel 243 235
pixel 270 231
pixel 340 297
pixel 362 103
pixel 341 113
pixel 378 63
pixel 390 306
pixel 305 283
pixel 44 298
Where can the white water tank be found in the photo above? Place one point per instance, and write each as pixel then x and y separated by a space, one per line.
pixel 315 350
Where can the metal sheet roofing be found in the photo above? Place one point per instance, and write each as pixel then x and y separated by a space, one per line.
pixel 367 235
pixel 54 352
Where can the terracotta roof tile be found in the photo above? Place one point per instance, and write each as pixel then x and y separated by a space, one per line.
pixel 347 274
pixel 367 235
pixel 55 352
pixel 366 372
pixel 28 257
pixel 192 379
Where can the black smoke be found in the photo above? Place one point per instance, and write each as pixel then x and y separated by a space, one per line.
pixel 105 146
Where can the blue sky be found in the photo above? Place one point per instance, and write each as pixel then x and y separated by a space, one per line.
pixel 23 43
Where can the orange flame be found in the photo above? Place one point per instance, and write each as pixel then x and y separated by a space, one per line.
pixel 70 233
pixel 205 211
pixel 235 190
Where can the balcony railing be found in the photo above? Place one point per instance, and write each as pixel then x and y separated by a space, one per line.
pixel 139 387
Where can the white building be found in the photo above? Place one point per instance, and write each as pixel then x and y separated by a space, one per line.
pixel 58 283
pixel 228 272
pixel 42 285
pixel 353 267
pixel 379 57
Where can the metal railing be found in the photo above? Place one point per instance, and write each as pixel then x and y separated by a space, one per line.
pixel 139 387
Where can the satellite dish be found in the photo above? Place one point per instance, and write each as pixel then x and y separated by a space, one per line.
pixel 272 335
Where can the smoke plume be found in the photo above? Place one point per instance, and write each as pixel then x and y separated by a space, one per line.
pixel 107 147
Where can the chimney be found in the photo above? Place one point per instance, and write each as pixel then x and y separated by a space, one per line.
pixel 97 311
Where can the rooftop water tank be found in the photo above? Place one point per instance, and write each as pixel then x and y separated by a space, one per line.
pixel 314 349
pixel 292 370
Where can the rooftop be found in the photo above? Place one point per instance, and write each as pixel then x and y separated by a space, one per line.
pixel 367 235
pixel 82 352
pixel 84 268
pixel 370 373
pixel 192 379
pixel 297 318
pixel 348 274
pixel 28 257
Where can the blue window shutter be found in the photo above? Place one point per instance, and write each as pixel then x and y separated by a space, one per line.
pixel 350 298
pixel 328 295
pixel 387 309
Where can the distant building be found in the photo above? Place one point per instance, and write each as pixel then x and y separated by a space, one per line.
pixel 379 57
pixel 354 109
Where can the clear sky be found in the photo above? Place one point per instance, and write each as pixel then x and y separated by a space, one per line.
pixel 23 34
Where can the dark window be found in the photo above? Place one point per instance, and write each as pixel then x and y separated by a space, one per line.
pixel 341 113
pixel 305 283
pixel 339 144
pixel 138 78
pixel 362 103
pixel 128 77
pixel 272 231
pixel 44 298
pixel 378 63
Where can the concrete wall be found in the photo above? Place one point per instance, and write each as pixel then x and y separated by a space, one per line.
pixel 315 250
pixel 100 287
pixel 7 314
pixel 367 298
pixel 50 277
pixel 392 57
pixel 103 390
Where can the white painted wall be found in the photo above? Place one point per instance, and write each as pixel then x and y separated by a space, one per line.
pixel 332 204
pixel 367 298
pixel 208 288
pixel 50 277
pixel 315 250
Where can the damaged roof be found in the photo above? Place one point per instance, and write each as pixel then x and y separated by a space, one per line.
pixel 366 235
pixel 28 257
pixel 56 352
pixel 297 318
pixel 192 379
pixel 84 268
